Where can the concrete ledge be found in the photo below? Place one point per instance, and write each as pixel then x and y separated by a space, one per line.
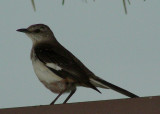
pixel 146 105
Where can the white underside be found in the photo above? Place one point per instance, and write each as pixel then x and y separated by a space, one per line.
pixel 43 73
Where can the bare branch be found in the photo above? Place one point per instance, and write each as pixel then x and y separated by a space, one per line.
pixel 125 8
pixel 33 5
pixel 62 2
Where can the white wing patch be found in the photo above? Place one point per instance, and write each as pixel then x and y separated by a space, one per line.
pixel 44 74
pixel 54 66
pixel 98 84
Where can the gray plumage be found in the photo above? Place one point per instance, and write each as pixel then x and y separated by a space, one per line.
pixel 58 69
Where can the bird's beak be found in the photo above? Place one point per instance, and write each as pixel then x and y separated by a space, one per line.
pixel 22 30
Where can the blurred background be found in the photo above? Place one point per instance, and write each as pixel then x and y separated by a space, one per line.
pixel 122 49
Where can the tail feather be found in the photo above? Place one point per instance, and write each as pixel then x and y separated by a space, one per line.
pixel 104 84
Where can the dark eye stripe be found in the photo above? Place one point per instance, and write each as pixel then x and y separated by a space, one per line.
pixel 37 31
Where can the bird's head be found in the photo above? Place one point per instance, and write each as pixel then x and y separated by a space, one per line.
pixel 38 33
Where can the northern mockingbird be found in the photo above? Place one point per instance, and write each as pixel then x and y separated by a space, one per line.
pixel 58 69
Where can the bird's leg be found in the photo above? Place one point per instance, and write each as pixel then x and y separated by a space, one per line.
pixel 52 103
pixel 72 92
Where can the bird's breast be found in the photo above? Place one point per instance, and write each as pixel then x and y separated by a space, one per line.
pixel 43 73
pixel 48 78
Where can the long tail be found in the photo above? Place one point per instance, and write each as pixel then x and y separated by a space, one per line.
pixel 96 81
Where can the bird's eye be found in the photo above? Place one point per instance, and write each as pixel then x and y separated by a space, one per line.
pixel 37 31
pixel 42 28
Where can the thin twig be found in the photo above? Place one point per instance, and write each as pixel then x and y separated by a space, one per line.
pixel 129 2
pixel 62 2
pixel 125 8
pixel 33 5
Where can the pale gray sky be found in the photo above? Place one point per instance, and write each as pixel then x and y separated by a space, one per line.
pixel 122 49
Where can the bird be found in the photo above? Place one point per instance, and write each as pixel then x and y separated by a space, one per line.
pixel 58 69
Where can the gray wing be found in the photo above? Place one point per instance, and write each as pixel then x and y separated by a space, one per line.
pixel 64 64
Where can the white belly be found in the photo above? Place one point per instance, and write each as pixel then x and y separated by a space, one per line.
pixel 44 74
